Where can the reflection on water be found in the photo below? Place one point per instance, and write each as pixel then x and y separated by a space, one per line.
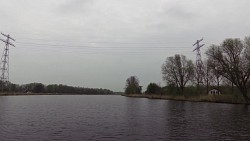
pixel 119 118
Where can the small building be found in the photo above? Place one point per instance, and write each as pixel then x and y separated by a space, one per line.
pixel 214 92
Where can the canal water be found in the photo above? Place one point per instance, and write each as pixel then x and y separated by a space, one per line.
pixel 112 118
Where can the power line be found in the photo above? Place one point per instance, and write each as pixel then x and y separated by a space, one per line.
pixel 116 41
pixel 107 50
pixel 106 42
pixel 106 47
pixel 91 46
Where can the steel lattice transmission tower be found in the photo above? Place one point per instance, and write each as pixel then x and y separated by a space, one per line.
pixel 5 61
pixel 199 63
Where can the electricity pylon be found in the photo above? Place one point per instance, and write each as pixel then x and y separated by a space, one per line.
pixel 199 64
pixel 5 62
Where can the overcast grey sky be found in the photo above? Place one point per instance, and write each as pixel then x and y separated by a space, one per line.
pixel 100 43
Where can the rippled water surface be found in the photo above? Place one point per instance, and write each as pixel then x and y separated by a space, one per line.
pixel 100 118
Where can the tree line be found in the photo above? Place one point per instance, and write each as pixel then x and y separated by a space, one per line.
pixel 227 66
pixel 54 89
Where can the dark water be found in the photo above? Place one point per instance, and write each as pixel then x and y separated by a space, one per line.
pixel 100 118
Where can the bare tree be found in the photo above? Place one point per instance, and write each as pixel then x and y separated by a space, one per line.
pixel 232 60
pixel 178 70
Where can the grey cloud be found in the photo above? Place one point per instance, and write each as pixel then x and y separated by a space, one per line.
pixel 112 26
pixel 75 7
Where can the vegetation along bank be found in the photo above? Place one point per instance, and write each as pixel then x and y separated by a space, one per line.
pixel 225 76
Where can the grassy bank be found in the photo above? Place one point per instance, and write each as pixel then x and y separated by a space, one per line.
pixel 200 98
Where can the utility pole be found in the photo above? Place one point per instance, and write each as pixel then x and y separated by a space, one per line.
pixel 199 64
pixel 5 62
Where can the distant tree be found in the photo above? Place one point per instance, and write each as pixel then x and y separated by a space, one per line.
pixel 5 86
pixel 55 88
pixel 38 88
pixel 13 87
pixel 232 60
pixel 52 88
pixel 153 88
pixel 178 70
pixel 132 85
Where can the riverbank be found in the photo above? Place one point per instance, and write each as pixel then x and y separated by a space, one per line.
pixel 17 94
pixel 200 98
pixel 23 94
